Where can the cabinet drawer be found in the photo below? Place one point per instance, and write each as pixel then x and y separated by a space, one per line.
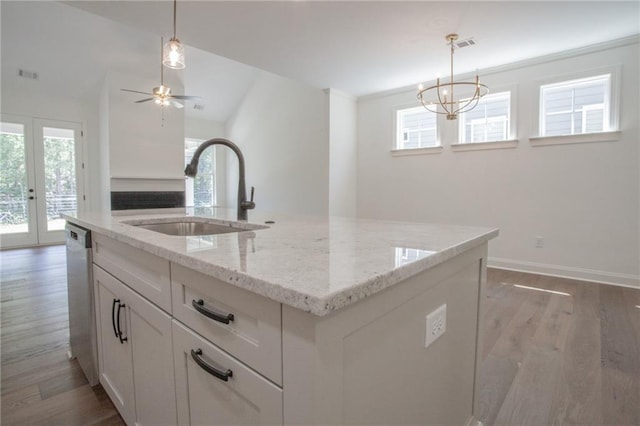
pixel 147 274
pixel 245 398
pixel 254 335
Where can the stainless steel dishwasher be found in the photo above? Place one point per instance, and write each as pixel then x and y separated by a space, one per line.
pixel 82 324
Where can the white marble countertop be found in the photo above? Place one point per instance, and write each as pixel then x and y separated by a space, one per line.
pixel 315 264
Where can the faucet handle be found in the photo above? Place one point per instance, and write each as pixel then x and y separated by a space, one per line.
pixel 248 205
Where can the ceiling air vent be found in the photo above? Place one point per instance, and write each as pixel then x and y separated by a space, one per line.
pixel 198 107
pixel 28 74
pixel 464 43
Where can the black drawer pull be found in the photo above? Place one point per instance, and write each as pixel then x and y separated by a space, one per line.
pixel 198 305
pixel 222 375
pixel 113 316
pixel 122 339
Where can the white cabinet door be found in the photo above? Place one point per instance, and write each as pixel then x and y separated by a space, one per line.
pixel 136 353
pixel 115 363
pixel 245 398
pixel 152 353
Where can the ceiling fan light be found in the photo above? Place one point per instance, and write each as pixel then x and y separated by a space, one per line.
pixel 162 91
pixel 173 54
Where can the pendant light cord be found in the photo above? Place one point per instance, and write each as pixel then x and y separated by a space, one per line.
pixel 175 7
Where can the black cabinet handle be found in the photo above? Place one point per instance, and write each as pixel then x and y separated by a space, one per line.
pixel 113 316
pixel 198 305
pixel 222 375
pixel 122 339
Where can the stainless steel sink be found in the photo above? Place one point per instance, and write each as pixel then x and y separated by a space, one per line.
pixel 192 227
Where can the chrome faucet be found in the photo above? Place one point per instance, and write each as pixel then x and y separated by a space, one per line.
pixel 192 169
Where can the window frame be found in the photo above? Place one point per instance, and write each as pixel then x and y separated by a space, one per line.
pixel 573 84
pixel 189 192
pixel 400 151
pixel 610 133
pixel 510 122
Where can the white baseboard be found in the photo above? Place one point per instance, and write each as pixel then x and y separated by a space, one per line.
pixel 623 280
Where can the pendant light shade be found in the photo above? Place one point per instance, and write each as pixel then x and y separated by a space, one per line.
pixel 173 54
pixel 173 51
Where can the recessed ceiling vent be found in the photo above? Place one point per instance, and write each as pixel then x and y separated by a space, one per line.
pixel 28 74
pixel 198 107
pixel 459 44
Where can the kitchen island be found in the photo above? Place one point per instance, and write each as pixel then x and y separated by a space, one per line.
pixel 293 320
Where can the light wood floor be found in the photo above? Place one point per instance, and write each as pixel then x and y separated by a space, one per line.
pixel 570 357
pixel 562 352
pixel 40 385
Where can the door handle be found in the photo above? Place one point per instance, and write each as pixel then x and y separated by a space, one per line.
pixel 31 197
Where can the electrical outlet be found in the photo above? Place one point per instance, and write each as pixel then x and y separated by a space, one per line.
pixel 436 325
pixel 539 242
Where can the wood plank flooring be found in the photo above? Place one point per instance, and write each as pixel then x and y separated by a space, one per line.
pixel 561 352
pixel 39 384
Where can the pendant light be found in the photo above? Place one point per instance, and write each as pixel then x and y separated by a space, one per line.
pixel 440 98
pixel 173 52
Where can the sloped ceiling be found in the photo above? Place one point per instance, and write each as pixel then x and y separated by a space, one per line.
pixel 359 47
pixel 362 47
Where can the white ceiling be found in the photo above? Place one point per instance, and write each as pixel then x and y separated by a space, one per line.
pixel 73 50
pixel 358 47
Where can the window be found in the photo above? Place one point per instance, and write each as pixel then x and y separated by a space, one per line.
pixel 201 190
pixel 489 121
pixel 416 128
pixel 575 106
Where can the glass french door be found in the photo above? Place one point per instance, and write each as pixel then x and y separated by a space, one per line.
pixel 40 177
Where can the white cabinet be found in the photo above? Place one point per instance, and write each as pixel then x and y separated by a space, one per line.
pixel 244 324
pixel 143 272
pixel 232 357
pixel 213 388
pixel 114 354
pixel 135 353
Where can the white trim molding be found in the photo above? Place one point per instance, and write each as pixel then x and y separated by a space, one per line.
pixel 416 151
pixel 579 138
pixel 591 275
pixel 147 183
pixel 480 146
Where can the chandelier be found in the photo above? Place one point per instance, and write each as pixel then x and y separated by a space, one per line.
pixel 441 99
pixel 173 52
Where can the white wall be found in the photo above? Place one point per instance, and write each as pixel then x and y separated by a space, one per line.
pixel 100 159
pixel 583 199
pixel 144 147
pixel 282 129
pixel 342 153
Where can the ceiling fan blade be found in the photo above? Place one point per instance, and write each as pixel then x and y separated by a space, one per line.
pixel 136 91
pixel 144 100
pixel 185 97
pixel 176 104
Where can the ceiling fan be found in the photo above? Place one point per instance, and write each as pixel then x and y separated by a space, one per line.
pixel 162 95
